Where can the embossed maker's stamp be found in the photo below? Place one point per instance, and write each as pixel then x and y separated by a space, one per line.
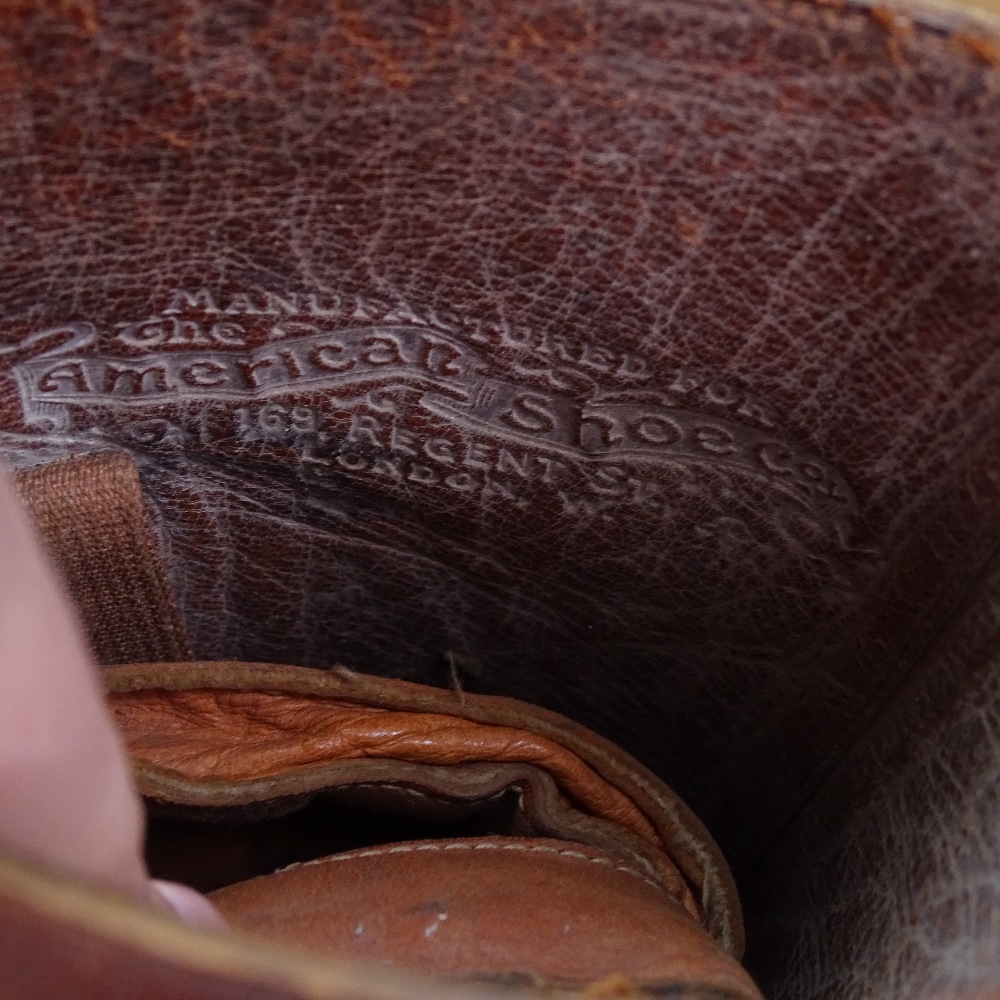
pixel 368 389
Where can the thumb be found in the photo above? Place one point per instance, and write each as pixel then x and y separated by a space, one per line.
pixel 69 800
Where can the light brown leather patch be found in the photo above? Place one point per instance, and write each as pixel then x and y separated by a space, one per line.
pixel 238 735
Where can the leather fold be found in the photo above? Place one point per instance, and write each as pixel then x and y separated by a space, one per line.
pixel 219 742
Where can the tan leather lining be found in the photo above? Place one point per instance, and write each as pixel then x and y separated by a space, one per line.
pixel 192 747
pixel 561 913
pixel 685 840
pixel 237 735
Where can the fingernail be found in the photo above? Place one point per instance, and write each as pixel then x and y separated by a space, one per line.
pixel 191 906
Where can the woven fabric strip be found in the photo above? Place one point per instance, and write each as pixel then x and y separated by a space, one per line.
pixel 91 515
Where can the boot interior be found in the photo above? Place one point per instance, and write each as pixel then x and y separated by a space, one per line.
pixel 636 360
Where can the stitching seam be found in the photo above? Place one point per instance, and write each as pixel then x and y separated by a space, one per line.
pixel 377 852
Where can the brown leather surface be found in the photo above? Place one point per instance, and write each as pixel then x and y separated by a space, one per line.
pixel 639 360
pixel 613 357
pixel 889 885
pixel 246 735
pixel 100 948
pixel 547 910
pixel 93 519
pixel 213 735
pixel 269 743
pixel 97 947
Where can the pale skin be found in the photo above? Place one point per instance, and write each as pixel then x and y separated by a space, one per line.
pixel 67 797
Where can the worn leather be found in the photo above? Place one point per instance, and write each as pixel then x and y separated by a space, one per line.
pixel 513 908
pixel 598 895
pixel 108 949
pixel 242 736
pixel 100 948
pixel 890 882
pixel 626 349
pixel 638 360
pixel 228 734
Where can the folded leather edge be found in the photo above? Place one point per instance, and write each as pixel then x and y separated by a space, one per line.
pixel 687 841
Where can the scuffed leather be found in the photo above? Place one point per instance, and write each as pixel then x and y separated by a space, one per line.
pixel 110 949
pixel 217 735
pixel 888 886
pixel 563 912
pixel 546 911
pixel 776 223
pixel 780 217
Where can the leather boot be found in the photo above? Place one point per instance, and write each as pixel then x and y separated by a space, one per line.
pixel 536 425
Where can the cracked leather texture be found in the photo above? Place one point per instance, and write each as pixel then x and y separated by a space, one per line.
pixel 637 360
pixel 890 881
pixel 240 736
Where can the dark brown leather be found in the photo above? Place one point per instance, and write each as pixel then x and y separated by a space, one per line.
pixel 626 351
pixel 890 882
pixel 637 360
